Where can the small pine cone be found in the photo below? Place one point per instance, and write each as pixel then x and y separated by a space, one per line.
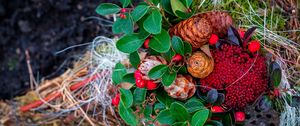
pixel 195 30
pixel 199 65
pixel 220 22
pixel 182 88
pixel 148 63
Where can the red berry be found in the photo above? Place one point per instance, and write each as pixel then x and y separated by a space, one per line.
pixel 151 85
pixel 137 74
pixel 213 39
pixel 239 116
pixel 116 100
pixel 241 32
pixel 217 109
pixel 146 43
pixel 123 16
pixel 177 58
pixel 276 92
pixel 140 83
pixel 123 10
pixel 254 46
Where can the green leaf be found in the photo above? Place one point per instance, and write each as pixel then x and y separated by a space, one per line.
pixel 118 73
pixel 200 117
pixel 152 24
pixel 159 107
pixel 187 3
pixel 177 6
pixel 275 74
pixel 139 95
pixel 187 48
pixel 167 6
pixel 184 15
pixel 214 123
pixel 134 59
pixel 148 111
pixel 126 97
pixel 168 78
pixel 165 117
pixel 107 8
pixel 193 105
pixel 180 124
pixel 129 43
pixel 118 26
pixel 127 115
pixel 178 45
pixel 157 71
pixel 179 112
pixel 125 3
pixel 228 120
pixel 155 2
pixel 129 78
pixel 139 12
pixel 161 42
pixel 181 69
pixel 169 55
pixel 164 98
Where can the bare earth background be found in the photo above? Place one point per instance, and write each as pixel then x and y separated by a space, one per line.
pixel 42 27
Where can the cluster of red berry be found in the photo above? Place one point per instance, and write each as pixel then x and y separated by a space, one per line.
pixel 122 14
pixel 231 64
pixel 141 83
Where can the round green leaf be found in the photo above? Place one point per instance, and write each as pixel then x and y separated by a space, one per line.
pixel 187 48
pixel 167 6
pixel 179 112
pixel 148 111
pixel 118 26
pixel 157 71
pixel 139 12
pixel 118 73
pixel 161 42
pixel 152 24
pixel 193 105
pixel 178 45
pixel 134 59
pixel 125 3
pixel 164 98
pixel 139 95
pixel 126 97
pixel 159 106
pixel 107 8
pixel 165 117
pixel 129 43
pixel 200 117
pixel 168 78
pixel 129 78
pixel 180 124
pixel 177 5
pixel 127 115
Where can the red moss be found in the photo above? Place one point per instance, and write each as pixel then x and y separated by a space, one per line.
pixel 231 62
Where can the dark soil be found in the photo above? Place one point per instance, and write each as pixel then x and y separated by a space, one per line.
pixel 42 27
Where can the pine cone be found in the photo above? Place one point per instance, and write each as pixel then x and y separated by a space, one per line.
pixel 197 29
pixel 182 88
pixel 220 22
pixel 199 65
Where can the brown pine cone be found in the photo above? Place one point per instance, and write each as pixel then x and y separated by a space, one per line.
pixel 182 88
pixel 199 65
pixel 220 22
pixel 197 29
